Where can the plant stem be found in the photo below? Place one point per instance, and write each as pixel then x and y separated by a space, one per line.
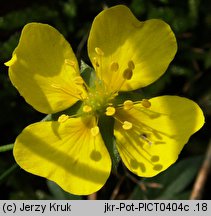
pixel 7 147
pixel 8 172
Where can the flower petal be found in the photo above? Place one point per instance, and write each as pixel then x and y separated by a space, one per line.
pixel 157 134
pixel 43 69
pixel 68 153
pixel 146 47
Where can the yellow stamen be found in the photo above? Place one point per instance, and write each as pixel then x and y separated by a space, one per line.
pixel 77 93
pixel 95 131
pixel 114 66
pixel 63 118
pixel 144 137
pixel 99 51
pixel 145 103
pixel 128 104
pixel 110 111
pixel 131 65
pixel 127 74
pixel 87 108
pixel 78 80
pixel 127 125
pixel 70 62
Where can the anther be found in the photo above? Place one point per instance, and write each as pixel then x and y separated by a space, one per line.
pixel 127 74
pixel 87 108
pixel 78 80
pixel 95 131
pixel 110 111
pixel 63 118
pixel 131 65
pixel 114 66
pixel 99 51
pixel 127 125
pixel 127 105
pixel 145 103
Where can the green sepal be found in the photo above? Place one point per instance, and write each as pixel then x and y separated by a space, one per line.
pixel 88 74
pixel 106 125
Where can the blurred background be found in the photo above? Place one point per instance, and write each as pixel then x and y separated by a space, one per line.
pixel 188 75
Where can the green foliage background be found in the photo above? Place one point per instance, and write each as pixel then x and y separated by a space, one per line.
pixel 188 75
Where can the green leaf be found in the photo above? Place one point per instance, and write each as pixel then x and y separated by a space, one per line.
pixel 8 46
pixel 69 8
pixel 181 71
pixel 179 177
pixel 17 19
pixel 171 184
pixel 182 196
pixel 193 10
pixel 139 7
pixel 137 194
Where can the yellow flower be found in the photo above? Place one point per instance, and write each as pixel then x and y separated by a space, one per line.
pixel 126 55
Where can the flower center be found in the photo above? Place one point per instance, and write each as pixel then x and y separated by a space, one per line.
pixel 109 81
pixel 99 100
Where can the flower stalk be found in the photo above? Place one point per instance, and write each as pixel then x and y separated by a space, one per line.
pixel 7 147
